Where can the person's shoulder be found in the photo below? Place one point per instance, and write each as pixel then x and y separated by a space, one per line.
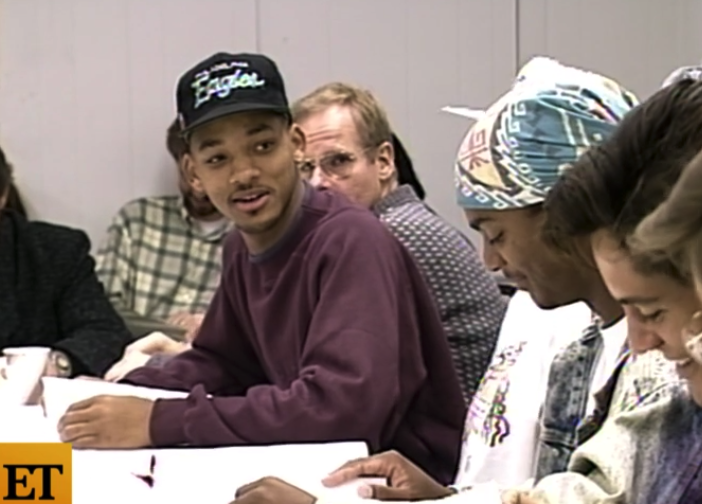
pixel 337 216
pixel 138 209
pixel 554 327
pixel 416 219
pixel 645 379
pixel 423 231
pixel 54 243
pixel 568 320
pixel 47 231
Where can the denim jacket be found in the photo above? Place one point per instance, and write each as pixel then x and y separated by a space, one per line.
pixel 566 400
pixel 637 381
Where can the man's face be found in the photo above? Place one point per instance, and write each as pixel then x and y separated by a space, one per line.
pixel 245 164
pixel 658 308
pixel 513 244
pixel 336 159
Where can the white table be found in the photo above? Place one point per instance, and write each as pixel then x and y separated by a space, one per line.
pixel 180 473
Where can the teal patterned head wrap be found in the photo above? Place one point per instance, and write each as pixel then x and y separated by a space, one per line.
pixel 513 155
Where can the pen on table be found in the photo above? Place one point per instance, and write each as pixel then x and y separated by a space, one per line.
pixel 149 478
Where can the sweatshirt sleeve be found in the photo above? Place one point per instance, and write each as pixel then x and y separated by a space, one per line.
pixel 347 384
pixel 205 365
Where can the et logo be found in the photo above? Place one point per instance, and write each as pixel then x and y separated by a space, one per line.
pixel 35 472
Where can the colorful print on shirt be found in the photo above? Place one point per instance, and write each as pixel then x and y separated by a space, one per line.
pixel 487 416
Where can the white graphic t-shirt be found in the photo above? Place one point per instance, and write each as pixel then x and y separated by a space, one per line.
pixel 502 425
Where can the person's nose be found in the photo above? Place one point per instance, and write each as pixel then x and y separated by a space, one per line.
pixel 243 173
pixel 641 338
pixel 318 179
pixel 492 258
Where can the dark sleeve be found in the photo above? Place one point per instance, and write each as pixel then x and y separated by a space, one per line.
pixel 158 360
pixel 92 334
pixel 348 382
pixel 209 362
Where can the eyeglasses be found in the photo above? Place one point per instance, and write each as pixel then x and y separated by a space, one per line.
pixel 335 165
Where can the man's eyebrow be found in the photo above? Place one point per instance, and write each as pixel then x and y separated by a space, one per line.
pixel 258 128
pixel 215 142
pixel 477 223
pixel 638 300
pixel 207 143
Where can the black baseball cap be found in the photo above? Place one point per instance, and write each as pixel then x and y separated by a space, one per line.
pixel 225 84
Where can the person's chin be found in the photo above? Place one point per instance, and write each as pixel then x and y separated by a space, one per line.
pixel 545 301
pixel 255 225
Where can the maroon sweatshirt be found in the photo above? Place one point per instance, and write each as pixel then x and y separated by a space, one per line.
pixel 331 335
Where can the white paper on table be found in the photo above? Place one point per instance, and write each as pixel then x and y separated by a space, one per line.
pixel 485 493
pixel 208 476
pixel 464 112
pixel 26 424
pixel 60 393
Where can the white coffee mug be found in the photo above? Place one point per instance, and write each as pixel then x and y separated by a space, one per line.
pixel 22 370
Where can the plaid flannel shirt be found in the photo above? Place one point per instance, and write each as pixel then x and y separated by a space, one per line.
pixel 157 261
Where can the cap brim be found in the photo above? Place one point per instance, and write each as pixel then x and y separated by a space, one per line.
pixel 236 108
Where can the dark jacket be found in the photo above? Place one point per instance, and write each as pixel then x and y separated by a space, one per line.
pixel 51 297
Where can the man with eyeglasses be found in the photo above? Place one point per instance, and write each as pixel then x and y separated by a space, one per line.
pixel 350 149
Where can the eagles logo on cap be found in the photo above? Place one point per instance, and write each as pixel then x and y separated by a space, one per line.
pixel 226 84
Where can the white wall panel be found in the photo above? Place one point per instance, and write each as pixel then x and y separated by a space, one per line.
pixel 86 94
pixel 637 42
pixel 415 55
pixel 86 86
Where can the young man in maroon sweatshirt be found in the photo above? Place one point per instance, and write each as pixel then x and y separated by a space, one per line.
pixel 322 329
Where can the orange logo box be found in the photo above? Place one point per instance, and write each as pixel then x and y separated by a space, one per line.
pixel 35 472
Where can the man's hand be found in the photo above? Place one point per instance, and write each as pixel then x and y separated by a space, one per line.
pixel 107 422
pixel 191 322
pixel 51 369
pixel 138 354
pixel 272 491
pixel 157 342
pixel 406 481
pixel 125 365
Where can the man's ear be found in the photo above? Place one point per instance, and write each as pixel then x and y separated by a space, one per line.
pixel 187 167
pixel 3 198
pixel 385 158
pixel 299 142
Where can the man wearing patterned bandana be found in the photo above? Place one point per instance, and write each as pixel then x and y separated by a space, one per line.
pixel 506 165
